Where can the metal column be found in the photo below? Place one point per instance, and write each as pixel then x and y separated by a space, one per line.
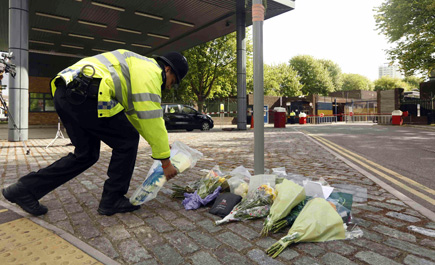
pixel 241 65
pixel 257 22
pixel 19 86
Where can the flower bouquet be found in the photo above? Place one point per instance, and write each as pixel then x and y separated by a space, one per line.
pixel 239 181
pixel 290 218
pixel 208 189
pixel 178 191
pixel 290 194
pixel 209 183
pixel 182 157
pixel 317 222
pixel 254 205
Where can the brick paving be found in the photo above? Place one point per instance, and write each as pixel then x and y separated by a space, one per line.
pixel 162 232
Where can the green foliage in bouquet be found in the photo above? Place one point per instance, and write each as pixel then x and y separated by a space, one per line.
pixel 289 195
pixel 178 191
pixel 290 218
pixel 318 222
pixel 254 205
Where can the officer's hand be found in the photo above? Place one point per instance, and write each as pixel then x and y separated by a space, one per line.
pixel 168 169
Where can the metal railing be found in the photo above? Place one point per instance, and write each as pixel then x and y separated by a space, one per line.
pixel 317 119
pixel 379 118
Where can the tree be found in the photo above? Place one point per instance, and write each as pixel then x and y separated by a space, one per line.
pixel 387 83
pixel 410 25
pixel 334 72
pixel 281 80
pixel 356 82
pixel 212 70
pixel 207 63
pixel 314 76
pixel 413 81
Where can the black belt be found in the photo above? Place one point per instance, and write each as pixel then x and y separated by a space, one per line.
pixel 77 94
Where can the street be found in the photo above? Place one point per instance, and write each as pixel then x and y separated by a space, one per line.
pixel 409 152
pixel 163 232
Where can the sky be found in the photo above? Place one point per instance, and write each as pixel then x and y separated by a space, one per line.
pixel 343 31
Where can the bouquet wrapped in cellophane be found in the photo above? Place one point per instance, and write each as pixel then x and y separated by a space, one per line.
pixel 317 222
pixel 178 190
pixel 290 218
pixel 289 195
pixel 209 183
pixel 207 190
pixel 255 205
pixel 182 157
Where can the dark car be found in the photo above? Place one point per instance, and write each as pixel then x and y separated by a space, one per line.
pixel 178 116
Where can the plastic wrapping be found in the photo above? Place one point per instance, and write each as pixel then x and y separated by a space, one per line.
pixel 359 193
pixel 239 181
pixel 291 217
pixel 208 183
pixel 182 157
pixel 353 232
pixel 259 180
pixel 254 205
pixel 279 172
pixel 178 191
pixel 289 195
pixel 193 201
pixel 317 222
pixel 343 204
pixel 241 172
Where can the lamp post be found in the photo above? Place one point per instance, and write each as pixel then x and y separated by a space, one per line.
pixel 257 22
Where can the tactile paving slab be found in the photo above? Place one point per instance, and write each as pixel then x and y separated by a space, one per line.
pixel 24 242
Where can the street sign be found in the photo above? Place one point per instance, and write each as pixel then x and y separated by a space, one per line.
pixel 321 115
pixel 351 113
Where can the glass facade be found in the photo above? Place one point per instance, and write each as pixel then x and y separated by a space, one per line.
pixel 41 102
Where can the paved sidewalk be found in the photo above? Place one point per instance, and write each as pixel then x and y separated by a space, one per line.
pixel 162 232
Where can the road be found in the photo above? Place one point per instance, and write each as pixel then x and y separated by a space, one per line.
pixel 403 157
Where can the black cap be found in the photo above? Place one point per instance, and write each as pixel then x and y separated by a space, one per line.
pixel 177 62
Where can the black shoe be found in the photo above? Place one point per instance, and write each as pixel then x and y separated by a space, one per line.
pixel 122 205
pixel 18 194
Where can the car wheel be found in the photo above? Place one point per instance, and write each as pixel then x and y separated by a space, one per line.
pixel 205 126
pixel 189 130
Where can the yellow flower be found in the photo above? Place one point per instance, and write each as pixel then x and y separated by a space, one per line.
pixel 221 180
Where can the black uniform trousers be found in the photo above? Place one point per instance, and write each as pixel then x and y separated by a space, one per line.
pixel 86 131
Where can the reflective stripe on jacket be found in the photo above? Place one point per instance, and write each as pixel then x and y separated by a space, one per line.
pixel 129 82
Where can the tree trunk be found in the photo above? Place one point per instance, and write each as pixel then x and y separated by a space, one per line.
pixel 200 103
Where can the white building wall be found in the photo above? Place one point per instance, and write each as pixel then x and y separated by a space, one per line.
pixel 389 70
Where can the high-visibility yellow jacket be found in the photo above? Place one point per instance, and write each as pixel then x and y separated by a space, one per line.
pixel 132 83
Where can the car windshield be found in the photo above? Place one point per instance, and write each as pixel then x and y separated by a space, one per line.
pixel 188 110
pixel 172 108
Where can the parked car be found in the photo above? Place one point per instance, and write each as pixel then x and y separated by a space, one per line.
pixel 178 116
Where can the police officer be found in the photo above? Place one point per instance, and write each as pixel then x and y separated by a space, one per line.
pixel 292 117
pixel 111 97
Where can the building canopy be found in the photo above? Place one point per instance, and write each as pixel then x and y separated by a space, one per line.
pixel 82 28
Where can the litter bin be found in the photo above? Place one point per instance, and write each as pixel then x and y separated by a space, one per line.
pixel 280 117
pixel 302 118
pixel 397 117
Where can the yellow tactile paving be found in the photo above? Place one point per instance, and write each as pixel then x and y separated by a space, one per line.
pixel 24 242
